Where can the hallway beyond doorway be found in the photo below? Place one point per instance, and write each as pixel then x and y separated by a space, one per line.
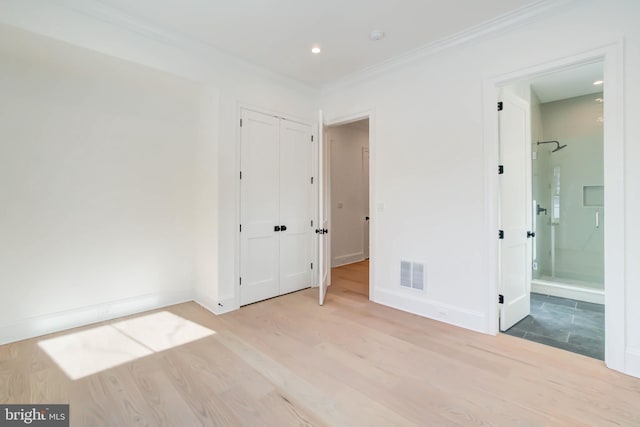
pixel 351 279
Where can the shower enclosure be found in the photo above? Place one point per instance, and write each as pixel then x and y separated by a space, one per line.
pixel 568 198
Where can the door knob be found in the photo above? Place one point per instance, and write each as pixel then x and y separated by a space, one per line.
pixel 283 228
pixel 276 228
pixel 366 218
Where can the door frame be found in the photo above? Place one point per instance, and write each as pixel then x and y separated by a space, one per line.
pixel 611 55
pixel 343 119
pixel 238 188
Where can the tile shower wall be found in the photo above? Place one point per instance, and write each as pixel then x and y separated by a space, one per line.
pixel 579 242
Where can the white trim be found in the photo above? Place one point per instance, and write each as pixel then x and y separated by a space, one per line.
pixel 413 301
pixel 274 113
pixel 106 14
pixel 612 56
pixel 224 305
pixel 343 119
pixel 633 362
pixel 64 320
pixel 502 22
pixel 347 259
pixel 567 291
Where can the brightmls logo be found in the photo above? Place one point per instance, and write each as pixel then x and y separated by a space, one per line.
pixel 36 415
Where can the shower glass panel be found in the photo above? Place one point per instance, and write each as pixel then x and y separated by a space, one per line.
pixel 569 195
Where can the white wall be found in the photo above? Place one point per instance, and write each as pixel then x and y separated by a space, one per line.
pixel 428 168
pixel 225 83
pixel 97 179
pixel 349 187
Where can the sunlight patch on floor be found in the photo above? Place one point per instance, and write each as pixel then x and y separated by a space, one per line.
pixel 87 352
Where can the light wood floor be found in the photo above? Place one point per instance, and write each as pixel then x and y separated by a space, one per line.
pixel 288 361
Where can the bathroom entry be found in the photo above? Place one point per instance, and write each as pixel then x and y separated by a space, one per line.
pixel 563 295
pixel 349 201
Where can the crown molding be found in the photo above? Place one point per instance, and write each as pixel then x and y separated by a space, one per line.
pixel 502 22
pixel 97 10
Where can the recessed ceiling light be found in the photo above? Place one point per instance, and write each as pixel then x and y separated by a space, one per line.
pixel 376 35
pixel 315 50
pixel 598 82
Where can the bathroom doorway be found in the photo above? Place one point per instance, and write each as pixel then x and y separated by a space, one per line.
pixel 565 236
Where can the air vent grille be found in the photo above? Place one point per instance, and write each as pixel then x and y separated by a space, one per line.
pixel 405 274
pixel 412 275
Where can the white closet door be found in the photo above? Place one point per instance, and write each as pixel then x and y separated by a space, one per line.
pixel 259 207
pixel 295 206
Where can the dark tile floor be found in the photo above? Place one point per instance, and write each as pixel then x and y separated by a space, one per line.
pixel 564 323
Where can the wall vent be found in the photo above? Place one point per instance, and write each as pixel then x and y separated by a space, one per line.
pixel 412 275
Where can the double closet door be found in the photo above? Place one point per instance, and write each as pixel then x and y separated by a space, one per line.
pixel 276 202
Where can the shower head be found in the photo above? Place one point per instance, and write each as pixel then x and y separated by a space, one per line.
pixel 558 146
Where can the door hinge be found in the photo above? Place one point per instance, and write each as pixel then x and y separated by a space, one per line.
pixel 312 266
pixel 312 223
pixel 500 234
pixel 500 299
pixel 241 228
pixel 240 281
pixel 500 106
pixel 311 180
pixel 240 122
pixel 500 169
pixel 311 138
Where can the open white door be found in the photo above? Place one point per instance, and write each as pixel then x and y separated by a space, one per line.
pixel 365 188
pixel 324 243
pixel 515 209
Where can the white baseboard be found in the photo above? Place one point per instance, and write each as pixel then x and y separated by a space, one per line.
pixel 225 305
pixel 632 362
pixel 341 260
pixel 56 322
pixel 567 291
pixel 468 319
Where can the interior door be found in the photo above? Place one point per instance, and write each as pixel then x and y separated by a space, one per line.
pixel 365 189
pixel 259 207
pixel 515 209
pixel 324 244
pixel 296 201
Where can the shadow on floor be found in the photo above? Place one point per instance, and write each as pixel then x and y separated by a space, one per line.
pixel 564 323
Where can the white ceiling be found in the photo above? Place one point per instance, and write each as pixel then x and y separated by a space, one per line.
pixel 568 83
pixel 279 34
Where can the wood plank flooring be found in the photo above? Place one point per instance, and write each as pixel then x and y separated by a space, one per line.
pixel 288 361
